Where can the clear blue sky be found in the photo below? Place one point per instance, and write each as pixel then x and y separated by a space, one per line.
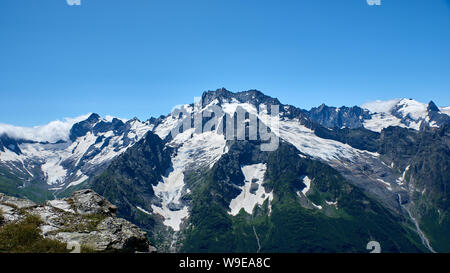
pixel 141 57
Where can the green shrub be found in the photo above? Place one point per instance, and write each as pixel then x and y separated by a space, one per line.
pixel 80 223
pixel 25 237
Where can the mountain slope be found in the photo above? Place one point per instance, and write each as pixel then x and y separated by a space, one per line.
pixel 202 178
pixel 181 201
pixel 332 216
pixel 128 181
pixel 423 159
pixel 53 161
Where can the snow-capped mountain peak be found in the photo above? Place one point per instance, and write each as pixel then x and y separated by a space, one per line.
pixel 400 107
pixel 222 95
pixel 409 107
pixel 66 153
pixel 404 112
pixel 87 147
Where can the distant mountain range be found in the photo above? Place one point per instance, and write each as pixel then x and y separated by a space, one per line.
pixel 339 177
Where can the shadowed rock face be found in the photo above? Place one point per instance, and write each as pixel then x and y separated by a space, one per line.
pixel 254 97
pixel 81 128
pixel 89 202
pixel 85 218
pixel 332 117
pixel 9 143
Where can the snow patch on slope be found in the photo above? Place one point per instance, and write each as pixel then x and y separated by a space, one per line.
pixel 402 179
pixel 200 150
pixel 78 181
pixel 143 210
pixel 329 203
pixel 230 108
pixel 247 200
pixel 380 121
pixel 165 127
pixel 172 218
pixel 8 156
pixel 53 171
pixel 307 142
pixel 139 129
pixel 386 184
pixel 307 183
pixel 170 190
pixel 414 109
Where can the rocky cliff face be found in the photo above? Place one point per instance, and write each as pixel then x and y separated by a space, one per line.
pixel 85 219
pixel 333 117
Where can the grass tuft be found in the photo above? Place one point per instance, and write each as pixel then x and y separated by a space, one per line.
pixel 25 237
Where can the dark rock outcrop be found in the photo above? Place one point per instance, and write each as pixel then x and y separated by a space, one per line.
pixel 85 218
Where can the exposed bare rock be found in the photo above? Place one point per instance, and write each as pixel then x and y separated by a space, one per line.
pixel 89 202
pixel 111 234
pixel 85 218
pixel 16 202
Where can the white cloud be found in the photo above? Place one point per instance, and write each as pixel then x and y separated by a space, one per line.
pixel 379 106
pixel 445 110
pixel 51 132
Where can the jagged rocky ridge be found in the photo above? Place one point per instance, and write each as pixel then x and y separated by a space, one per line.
pixel 162 182
pixel 375 116
pixel 84 150
pixel 356 153
pixel 85 218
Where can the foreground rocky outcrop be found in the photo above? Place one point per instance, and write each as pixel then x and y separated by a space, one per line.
pixel 85 219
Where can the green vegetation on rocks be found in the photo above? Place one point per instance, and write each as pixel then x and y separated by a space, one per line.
pixel 26 237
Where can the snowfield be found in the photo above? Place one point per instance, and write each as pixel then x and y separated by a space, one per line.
pixel 380 121
pixel 193 151
pixel 308 143
pixel 254 174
